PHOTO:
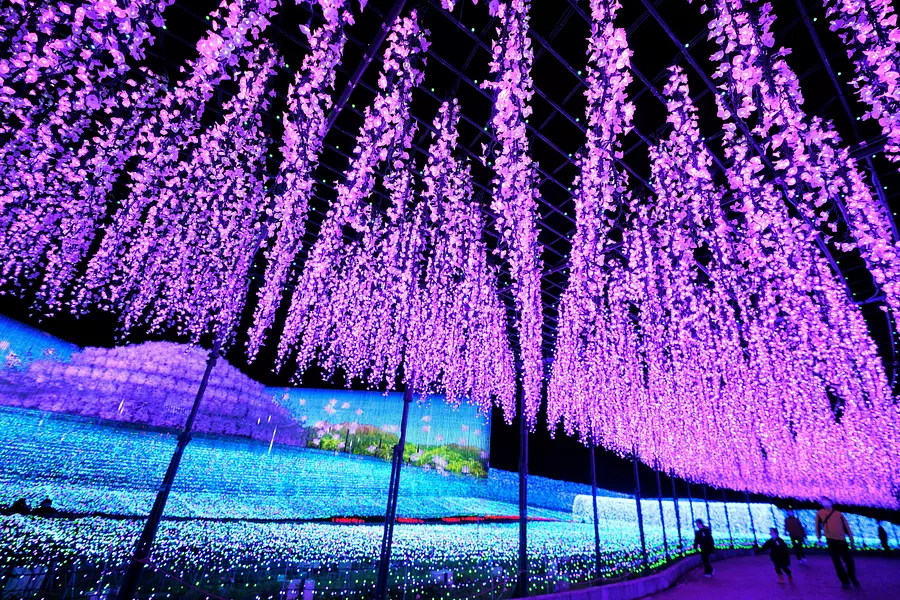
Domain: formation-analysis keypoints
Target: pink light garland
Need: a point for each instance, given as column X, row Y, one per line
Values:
column 813, row 167
column 304, row 132
column 65, row 70
column 386, row 125
column 413, row 290
column 869, row 28
column 580, row 390
column 187, row 264
column 169, row 131
column 515, row 190
column 804, row 342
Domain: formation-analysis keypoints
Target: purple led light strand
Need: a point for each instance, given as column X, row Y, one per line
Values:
column 515, row 188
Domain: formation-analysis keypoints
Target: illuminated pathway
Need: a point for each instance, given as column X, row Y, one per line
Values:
column 753, row 578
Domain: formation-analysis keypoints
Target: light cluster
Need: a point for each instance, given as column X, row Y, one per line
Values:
column 718, row 320
column 869, row 29
column 799, row 311
column 516, row 191
column 729, row 325
column 814, row 170
column 587, row 379
column 113, row 469
column 309, row 101
column 340, row 559
column 68, row 105
column 384, row 138
column 413, row 290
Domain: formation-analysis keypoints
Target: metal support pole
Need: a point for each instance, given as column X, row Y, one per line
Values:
column 522, row 576
column 677, row 516
column 691, row 503
column 662, row 518
column 727, row 519
column 371, row 51
column 384, row 563
column 141, row 555
column 752, row 524
column 382, row 558
column 706, row 501
column 596, row 518
column 640, row 514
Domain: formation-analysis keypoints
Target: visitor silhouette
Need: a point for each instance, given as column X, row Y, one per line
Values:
column 45, row 509
column 883, row 537
column 797, row 532
column 780, row 555
column 19, row 507
column 703, row 540
column 836, row 529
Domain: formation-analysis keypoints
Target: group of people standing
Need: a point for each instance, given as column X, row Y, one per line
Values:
column 830, row 522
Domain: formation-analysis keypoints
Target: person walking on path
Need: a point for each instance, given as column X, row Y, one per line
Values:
column 703, row 541
column 883, row 537
column 780, row 555
column 836, row 529
column 795, row 530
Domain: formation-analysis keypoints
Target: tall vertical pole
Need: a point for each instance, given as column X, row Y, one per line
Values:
column 141, row 555
column 382, row 557
column 596, row 517
column 522, row 579
column 387, row 539
column 677, row 515
column 706, row 501
column 727, row 520
column 691, row 503
column 752, row 524
column 640, row 514
column 662, row 518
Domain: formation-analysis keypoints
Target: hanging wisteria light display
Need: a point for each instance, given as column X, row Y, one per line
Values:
column 385, row 137
column 186, row 263
column 704, row 329
column 516, row 189
column 687, row 309
column 869, row 28
column 65, row 70
column 413, row 290
column 817, row 369
column 760, row 345
column 813, row 167
column 60, row 59
column 592, row 370
column 459, row 334
column 304, row 131
column 171, row 129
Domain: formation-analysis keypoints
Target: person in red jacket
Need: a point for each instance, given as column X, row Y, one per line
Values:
column 836, row 528
column 795, row 530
